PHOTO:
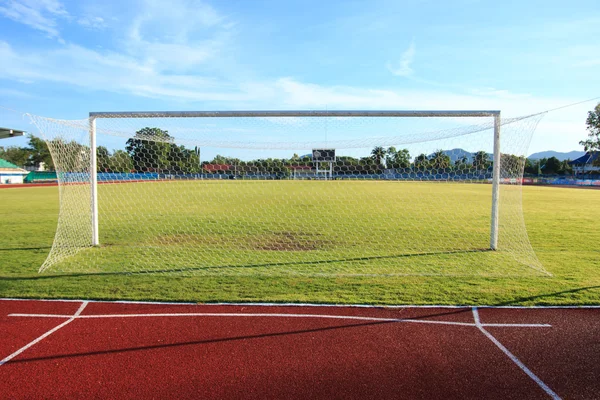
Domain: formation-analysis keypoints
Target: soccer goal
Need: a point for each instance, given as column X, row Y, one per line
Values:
column 292, row 192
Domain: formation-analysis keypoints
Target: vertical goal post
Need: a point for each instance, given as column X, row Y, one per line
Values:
column 495, row 114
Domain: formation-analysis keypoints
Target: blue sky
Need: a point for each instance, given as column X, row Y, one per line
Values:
column 64, row 59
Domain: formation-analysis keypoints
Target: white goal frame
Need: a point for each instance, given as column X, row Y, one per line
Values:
column 93, row 116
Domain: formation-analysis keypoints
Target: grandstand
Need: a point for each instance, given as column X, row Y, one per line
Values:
column 589, row 163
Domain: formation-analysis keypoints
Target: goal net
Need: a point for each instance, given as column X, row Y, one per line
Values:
column 226, row 193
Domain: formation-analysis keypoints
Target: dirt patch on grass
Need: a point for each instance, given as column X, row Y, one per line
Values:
column 291, row 241
column 276, row 241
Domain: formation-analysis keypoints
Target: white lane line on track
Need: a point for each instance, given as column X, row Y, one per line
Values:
column 273, row 315
column 513, row 358
column 45, row 335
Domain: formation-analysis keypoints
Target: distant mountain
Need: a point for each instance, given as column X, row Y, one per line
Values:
column 571, row 155
column 457, row 154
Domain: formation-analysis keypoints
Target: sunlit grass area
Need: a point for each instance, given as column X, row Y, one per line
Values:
column 285, row 227
column 411, row 243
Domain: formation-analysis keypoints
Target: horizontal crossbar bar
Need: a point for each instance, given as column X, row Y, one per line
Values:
column 335, row 113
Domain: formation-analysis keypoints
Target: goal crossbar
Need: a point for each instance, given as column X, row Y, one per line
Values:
column 297, row 113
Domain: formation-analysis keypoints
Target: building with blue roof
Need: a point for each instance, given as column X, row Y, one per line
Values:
column 587, row 164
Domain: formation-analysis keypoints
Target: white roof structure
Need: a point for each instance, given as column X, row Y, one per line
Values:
column 8, row 133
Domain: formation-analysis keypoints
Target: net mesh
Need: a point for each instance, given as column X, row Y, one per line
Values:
column 244, row 196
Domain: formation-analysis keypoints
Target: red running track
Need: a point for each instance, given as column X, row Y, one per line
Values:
column 157, row 351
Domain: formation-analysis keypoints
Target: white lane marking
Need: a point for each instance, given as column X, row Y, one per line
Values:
column 518, row 325
column 513, row 358
column 175, row 303
column 322, row 316
column 45, row 335
column 381, row 306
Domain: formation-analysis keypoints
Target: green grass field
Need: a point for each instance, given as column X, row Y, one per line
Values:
column 248, row 256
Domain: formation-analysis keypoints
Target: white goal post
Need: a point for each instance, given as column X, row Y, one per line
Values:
column 281, row 114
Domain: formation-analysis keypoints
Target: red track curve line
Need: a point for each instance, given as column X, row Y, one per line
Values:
column 513, row 358
column 275, row 315
column 45, row 335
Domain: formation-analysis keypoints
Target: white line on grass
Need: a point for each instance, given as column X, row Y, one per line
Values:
column 45, row 335
column 380, row 306
column 514, row 359
column 273, row 315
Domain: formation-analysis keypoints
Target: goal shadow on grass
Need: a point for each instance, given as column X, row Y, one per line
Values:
column 520, row 300
column 176, row 271
column 26, row 248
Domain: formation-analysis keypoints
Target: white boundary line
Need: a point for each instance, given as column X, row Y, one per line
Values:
column 384, row 306
column 513, row 358
column 273, row 315
column 102, row 301
column 45, row 335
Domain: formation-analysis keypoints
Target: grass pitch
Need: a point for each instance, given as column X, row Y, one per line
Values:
column 334, row 228
column 560, row 224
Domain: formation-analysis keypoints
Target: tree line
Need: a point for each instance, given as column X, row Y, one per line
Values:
column 32, row 155
column 154, row 150
column 548, row 166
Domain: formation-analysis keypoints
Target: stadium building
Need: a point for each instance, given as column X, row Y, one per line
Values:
column 10, row 173
column 587, row 164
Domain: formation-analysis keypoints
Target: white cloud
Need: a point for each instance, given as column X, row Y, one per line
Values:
column 173, row 21
column 306, row 95
column 123, row 73
column 559, row 130
column 403, row 68
column 41, row 15
column 166, row 64
column 177, row 35
column 113, row 72
column 14, row 93
column 53, row 6
column 92, row 22
column 170, row 41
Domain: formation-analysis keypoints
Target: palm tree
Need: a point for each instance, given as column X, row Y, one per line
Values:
column 481, row 160
column 461, row 163
column 440, row 160
column 378, row 154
